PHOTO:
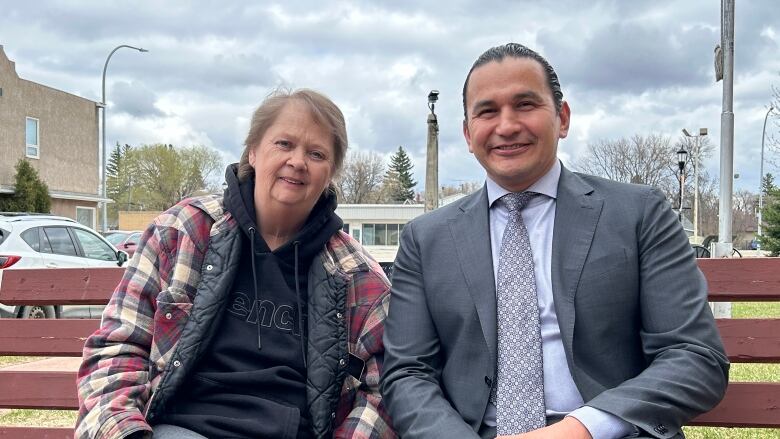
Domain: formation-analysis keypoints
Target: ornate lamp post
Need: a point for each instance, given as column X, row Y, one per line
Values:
column 432, row 156
column 682, row 159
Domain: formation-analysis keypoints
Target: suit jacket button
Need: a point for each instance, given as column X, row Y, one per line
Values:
column 488, row 381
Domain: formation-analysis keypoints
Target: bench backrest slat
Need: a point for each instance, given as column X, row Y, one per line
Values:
column 751, row 340
column 38, row 390
column 741, row 280
column 45, row 337
column 61, row 286
column 36, row 433
column 745, row 405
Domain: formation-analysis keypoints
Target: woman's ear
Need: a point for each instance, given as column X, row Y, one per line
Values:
column 251, row 157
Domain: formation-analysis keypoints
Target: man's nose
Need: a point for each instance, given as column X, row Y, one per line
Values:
column 508, row 124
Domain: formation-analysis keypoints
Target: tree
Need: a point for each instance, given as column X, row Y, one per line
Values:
column 169, row 174
column 639, row 159
column 30, row 193
column 771, row 233
column 121, row 177
column 361, row 179
column 398, row 179
column 158, row 176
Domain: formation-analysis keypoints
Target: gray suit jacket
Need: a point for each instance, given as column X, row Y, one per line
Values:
column 640, row 340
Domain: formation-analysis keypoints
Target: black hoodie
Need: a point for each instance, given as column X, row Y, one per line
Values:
column 251, row 382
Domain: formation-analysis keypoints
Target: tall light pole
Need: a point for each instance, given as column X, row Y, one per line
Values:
column 104, row 193
column 682, row 159
column 761, row 179
column 432, row 156
column 696, row 147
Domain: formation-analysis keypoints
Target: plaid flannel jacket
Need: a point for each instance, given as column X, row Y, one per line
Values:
column 125, row 359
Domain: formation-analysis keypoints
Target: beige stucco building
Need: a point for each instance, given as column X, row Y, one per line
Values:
column 58, row 133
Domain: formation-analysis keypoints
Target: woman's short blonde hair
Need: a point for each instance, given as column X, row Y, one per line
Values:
column 323, row 110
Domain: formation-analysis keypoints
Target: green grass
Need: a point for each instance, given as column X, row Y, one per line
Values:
column 10, row 361
column 39, row 418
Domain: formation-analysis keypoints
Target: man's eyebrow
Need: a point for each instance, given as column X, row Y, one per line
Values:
column 530, row 94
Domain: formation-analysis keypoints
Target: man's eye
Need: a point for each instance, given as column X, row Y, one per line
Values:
column 485, row 112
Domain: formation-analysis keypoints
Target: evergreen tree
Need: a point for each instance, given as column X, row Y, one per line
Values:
column 770, row 240
column 398, row 179
column 30, row 193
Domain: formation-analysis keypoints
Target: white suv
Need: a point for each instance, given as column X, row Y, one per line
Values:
column 47, row 241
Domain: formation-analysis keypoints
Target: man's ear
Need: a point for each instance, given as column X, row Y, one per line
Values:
column 467, row 134
column 564, row 117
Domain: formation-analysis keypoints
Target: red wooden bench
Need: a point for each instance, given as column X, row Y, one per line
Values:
column 746, row 340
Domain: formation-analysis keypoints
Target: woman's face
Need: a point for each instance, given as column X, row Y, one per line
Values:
column 294, row 160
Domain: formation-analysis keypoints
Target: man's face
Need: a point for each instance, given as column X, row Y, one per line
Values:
column 512, row 127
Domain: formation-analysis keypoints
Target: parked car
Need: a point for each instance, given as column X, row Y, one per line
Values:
column 124, row 240
column 48, row 241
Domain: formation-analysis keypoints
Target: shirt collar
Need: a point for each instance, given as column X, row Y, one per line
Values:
column 546, row 185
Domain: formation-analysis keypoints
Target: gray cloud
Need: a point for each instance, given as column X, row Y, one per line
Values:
column 626, row 67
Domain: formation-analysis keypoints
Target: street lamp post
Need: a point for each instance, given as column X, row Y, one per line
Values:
column 761, row 179
column 104, row 193
column 697, row 147
column 432, row 156
column 682, row 158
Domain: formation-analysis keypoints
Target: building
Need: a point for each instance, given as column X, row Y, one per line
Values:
column 58, row 133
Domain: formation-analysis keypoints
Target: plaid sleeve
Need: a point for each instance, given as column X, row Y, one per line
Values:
column 367, row 417
column 113, row 380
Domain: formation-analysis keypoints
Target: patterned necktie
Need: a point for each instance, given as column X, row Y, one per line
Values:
column 519, row 392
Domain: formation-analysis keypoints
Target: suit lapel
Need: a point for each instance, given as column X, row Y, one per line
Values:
column 471, row 233
column 577, row 213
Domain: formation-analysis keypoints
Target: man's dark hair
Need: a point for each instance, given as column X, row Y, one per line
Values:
column 515, row 50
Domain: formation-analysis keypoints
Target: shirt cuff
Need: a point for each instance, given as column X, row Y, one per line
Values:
column 603, row 425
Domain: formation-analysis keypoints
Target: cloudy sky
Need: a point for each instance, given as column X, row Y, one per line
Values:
column 626, row 67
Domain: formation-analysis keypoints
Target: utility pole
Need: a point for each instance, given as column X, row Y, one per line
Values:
column 724, row 246
column 432, row 156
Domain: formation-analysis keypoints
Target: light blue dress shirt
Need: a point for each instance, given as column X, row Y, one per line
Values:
column 560, row 393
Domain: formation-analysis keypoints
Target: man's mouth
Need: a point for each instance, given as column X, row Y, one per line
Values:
column 511, row 146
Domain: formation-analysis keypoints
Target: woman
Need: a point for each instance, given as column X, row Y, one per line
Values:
column 248, row 315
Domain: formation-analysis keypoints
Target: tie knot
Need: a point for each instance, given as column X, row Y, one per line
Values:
column 517, row 201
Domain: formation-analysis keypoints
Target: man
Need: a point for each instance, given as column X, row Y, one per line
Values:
column 573, row 308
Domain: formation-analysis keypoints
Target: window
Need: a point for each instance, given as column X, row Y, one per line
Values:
column 368, row 234
column 31, row 134
column 134, row 238
column 94, row 247
column 356, row 234
column 85, row 216
column 59, row 241
column 30, row 236
column 381, row 234
column 345, row 228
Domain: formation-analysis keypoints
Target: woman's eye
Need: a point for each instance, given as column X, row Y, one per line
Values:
column 316, row 155
column 283, row 143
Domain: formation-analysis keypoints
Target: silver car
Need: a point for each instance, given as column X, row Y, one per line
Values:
column 48, row 241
